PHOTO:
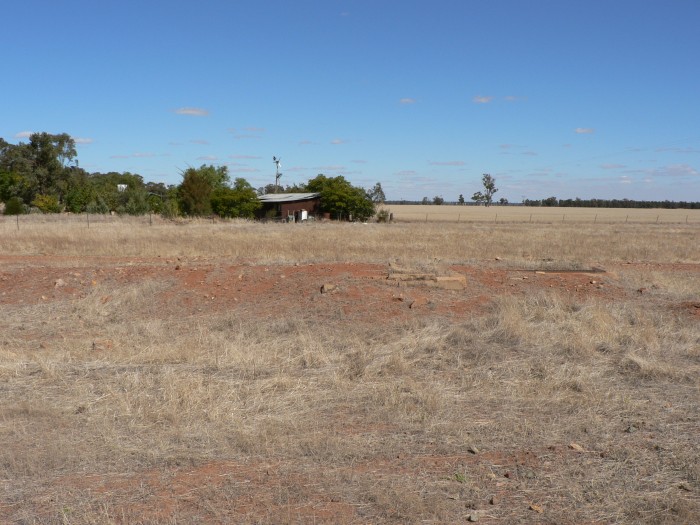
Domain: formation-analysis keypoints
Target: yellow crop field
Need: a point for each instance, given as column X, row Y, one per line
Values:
column 450, row 213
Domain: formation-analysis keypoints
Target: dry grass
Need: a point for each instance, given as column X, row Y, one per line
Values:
column 105, row 403
column 332, row 242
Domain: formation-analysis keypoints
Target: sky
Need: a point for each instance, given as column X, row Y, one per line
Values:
column 565, row 98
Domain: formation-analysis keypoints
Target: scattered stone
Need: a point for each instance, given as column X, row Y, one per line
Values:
column 536, row 508
column 541, row 273
column 576, row 447
column 417, row 303
column 594, row 282
column 472, row 449
column 498, row 258
column 643, row 290
column 327, row 288
column 494, row 500
column 473, row 517
column 59, row 282
column 177, row 266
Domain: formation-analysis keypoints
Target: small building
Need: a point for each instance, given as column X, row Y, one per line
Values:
column 292, row 207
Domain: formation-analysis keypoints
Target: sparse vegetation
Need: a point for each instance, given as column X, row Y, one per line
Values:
column 192, row 372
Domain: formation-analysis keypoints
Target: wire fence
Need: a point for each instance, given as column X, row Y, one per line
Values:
column 398, row 213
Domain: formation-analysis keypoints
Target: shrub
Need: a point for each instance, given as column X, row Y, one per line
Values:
column 15, row 206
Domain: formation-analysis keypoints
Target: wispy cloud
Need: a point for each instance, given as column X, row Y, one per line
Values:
column 208, row 157
column 612, row 166
column 677, row 170
column 338, row 141
column 330, row 168
column 529, row 153
column 254, row 129
column 359, row 161
column 305, row 142
column 245, row 170
column 199, row 141
column 481, row 99
column 583, row 131
column 244, row 157
column 83, row 140
column 193, row 112
column 678, row 150
column 24, row 134
column 447, row 163
column 407, row 100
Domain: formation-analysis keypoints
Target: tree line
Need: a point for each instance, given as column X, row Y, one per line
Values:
column 610, row 203
column 43, row 175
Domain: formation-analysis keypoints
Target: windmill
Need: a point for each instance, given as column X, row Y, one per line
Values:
column 278, row 174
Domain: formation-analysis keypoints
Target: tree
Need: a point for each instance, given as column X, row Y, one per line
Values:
column 503, row 201
column 489, row 188
column 197, row 186
column 239, row 201
column 425, row 201
column 377, row 194
column 438, row 200
column 341, row 199
column 461, row 199
column 195, row 193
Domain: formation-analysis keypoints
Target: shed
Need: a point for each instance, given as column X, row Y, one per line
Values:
column 290, row 206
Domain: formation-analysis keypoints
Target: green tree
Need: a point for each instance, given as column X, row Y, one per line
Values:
column 490, row 189
column 239, row 201
column 341, row 199
column 461, row 199
column 377, row 194
column 438, row 200
column 195, row 190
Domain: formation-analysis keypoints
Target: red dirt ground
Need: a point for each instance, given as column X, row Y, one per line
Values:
column 363, row 294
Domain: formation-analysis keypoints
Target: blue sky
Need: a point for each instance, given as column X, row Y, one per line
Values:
column 571, row 98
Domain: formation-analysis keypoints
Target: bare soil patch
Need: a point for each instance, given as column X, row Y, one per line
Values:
column 520, row 395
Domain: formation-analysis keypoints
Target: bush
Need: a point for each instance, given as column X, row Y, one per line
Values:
column 15, row 206
column 47, row 203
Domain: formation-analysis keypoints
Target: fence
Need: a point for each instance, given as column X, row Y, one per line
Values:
column 512, row 214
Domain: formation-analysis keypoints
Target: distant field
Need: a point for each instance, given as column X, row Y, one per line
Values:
column 449, row 213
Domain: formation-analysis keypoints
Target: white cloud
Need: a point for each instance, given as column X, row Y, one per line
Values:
column 194, row 112
column 612, row 166
column 208, row 157
column 677, row 170
column 407, row 100
column 83, row 140
column 199, row 141
column 338, row 141
column 254, row 129
column 23, row 134
column 584, row 130
column 448, row 163
column 243, row 157
column 482, row 100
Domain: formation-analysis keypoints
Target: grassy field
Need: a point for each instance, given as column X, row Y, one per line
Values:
column 192, row 372
column 520, row 214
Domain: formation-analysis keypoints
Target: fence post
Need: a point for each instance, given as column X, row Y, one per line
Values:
column 460, row 216
column 657, row 219
column 531, row 217
column 88, row 219
column 17, row 216
column 626, row 218
column 496, row 219
column 426, row 217
column 595, row 219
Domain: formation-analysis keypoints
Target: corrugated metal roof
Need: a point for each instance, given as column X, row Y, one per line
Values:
column 287, row 197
